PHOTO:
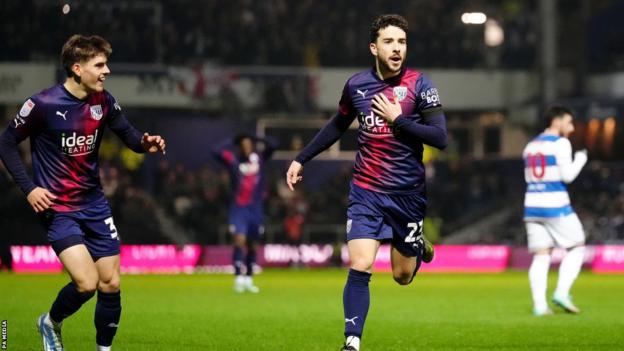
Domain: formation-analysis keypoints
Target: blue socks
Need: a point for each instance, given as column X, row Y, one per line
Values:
column 251, row 259
column 238, row 260
column 107, row 311
column 356, row 300
column 68, row 301
column 107, row 315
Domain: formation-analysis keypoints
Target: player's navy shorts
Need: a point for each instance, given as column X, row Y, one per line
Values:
column 93, row 227
column 387, row 217
column 247, row 220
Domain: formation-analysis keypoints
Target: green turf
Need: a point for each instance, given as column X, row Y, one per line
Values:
column 302, row 310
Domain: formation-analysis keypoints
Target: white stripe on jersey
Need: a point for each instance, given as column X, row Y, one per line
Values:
column 545, row 199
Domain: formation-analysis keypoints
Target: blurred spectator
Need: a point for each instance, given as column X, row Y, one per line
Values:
column 296, row 211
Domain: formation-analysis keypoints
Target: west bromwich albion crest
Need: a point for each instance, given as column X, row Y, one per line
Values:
column 400, row 93
column 96, row 112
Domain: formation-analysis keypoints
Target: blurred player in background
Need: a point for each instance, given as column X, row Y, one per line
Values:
column 65, row 124
column 549, row 218
column 246, row 166
column 398, row 110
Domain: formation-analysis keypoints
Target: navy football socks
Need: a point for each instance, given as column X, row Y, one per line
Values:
column 68, row 301
column 356, row 300
column 107, row 315
column 251, row 259
column 238, row 260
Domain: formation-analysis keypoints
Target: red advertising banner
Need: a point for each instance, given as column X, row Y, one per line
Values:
column 609, row 259
column 134, row 259
column 40, row 259
column 138, row 259
column 456, row 258
column 159, row 258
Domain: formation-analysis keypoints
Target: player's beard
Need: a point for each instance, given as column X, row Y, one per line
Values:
column 384, row 67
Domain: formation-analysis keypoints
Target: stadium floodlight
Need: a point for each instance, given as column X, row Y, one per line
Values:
column 473, row 17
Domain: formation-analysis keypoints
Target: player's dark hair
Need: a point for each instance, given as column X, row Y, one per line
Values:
column 555, row 111
column 80, row 48
column 384, row 21
column 238, row 139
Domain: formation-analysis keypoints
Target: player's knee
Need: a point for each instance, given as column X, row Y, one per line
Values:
column 362, row 265
column 240, row 242
column 547, row 251
column 403, row 278
column 110, row 285
column 86, row 286
column 251, row 246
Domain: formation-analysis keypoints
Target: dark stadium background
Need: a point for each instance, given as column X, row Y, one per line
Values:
column 199, row 71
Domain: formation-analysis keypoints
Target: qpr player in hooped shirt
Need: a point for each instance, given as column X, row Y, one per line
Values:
column 549, row 218
column 65, row 124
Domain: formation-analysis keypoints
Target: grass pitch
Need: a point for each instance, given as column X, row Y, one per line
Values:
column 302, row 310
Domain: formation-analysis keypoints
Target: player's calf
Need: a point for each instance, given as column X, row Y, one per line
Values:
column 403, row 277
column 405, row 265
column 67, row 302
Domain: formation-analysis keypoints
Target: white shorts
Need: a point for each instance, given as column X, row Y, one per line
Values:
column 563, row 232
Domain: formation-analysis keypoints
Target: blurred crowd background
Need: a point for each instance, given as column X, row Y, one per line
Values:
column 311, row 32
column 254, row 66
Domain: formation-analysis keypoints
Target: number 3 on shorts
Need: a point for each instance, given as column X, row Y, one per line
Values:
column 112, row 227
column 416, row 232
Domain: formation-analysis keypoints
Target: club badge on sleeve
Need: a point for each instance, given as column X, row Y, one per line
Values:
column 26, row 108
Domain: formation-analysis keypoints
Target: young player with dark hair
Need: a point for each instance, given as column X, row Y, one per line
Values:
column 66, row 123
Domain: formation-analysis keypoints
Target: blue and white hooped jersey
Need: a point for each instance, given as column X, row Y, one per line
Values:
column 546, row 194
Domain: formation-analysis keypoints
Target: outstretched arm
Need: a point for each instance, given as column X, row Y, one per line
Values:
column 327, row 136
column 133, row 139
